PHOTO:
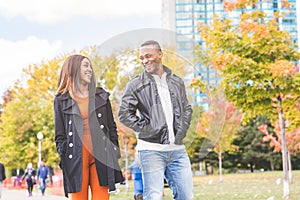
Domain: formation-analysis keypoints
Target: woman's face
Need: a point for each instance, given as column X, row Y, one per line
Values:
column 86, row 72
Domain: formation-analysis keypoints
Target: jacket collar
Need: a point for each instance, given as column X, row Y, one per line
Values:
column 95, row 101
column 166, row 69
column 102, row 96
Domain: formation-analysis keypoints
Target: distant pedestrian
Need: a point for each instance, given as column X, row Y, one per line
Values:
column 2, row 177
column 43, row 174
column 30, row 178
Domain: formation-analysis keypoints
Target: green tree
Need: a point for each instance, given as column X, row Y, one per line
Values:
column 257, row 63
column 253, row 150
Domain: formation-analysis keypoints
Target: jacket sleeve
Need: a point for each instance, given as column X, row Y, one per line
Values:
column 25, row 173
column 48, row 171
column 60, row 135
column 38, row 172
column 127, row 112
column 113, row 135
column 186, row 115
column 3, row 173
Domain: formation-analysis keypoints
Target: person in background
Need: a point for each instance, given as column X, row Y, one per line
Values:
column 2, row 177
column 136, row 175
column 155, row 105
column 85, row 133
column 43, row 174
column 30, row 180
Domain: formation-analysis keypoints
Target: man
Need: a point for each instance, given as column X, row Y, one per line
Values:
column 163, row 119
column 43, row 174
column 2, row 177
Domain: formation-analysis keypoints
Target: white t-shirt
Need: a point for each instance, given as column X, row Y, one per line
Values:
column 164, row 94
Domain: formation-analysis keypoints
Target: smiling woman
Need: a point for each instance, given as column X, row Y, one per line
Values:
column 85, row 133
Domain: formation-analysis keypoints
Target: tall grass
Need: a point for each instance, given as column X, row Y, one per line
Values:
column 259, row 185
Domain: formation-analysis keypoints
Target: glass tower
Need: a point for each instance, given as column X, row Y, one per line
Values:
column 186, row 14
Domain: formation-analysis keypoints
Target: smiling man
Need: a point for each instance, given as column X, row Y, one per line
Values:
column 163, row 119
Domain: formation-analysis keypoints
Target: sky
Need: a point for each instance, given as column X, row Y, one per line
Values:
column 32, row 31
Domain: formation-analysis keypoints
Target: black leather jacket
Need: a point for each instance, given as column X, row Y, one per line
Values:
column 141, row 95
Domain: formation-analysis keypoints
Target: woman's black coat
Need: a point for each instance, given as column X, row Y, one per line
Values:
column 68, row 138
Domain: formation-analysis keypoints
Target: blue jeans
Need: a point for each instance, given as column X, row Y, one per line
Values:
column 0, row 189
column 42, row 185
column 174, row 166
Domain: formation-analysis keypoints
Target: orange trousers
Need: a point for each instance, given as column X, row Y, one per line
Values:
column 90, row 178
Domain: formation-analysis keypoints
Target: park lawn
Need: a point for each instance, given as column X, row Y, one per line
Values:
column 259, row 185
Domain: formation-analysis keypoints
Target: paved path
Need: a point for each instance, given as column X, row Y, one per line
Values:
column 22, row 194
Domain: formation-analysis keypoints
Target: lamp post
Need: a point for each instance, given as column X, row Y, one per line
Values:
column 40, row 137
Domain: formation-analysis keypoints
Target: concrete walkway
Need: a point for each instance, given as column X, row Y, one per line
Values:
column 22, row 194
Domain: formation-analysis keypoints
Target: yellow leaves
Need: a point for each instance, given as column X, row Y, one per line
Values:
column 204, row 124
column 261, row 32
column 282, row 68
column 197, row 83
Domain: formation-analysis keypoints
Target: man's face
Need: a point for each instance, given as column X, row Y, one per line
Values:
column 151, row 57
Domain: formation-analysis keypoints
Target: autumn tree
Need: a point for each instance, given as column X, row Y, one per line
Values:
column 257, row 63
column 220, row 124
column 29, row 111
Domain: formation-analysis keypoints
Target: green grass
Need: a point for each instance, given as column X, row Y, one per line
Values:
column 260, row 185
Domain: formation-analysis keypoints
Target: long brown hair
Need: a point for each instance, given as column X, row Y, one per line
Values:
column 68, row 80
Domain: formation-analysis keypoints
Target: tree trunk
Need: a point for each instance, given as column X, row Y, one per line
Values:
column 290, row 166
column 271, row 165
column 220, row 166
column 286, row 188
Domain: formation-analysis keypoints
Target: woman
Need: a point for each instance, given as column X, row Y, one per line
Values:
column 85, row 133
column 30, row 180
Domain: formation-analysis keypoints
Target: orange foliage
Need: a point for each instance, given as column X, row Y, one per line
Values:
column 292, row 138
column 282, row 68
column 224, row 59
column 228, row 5
column 200, row 26
column 247, row 26
column 285, row 4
